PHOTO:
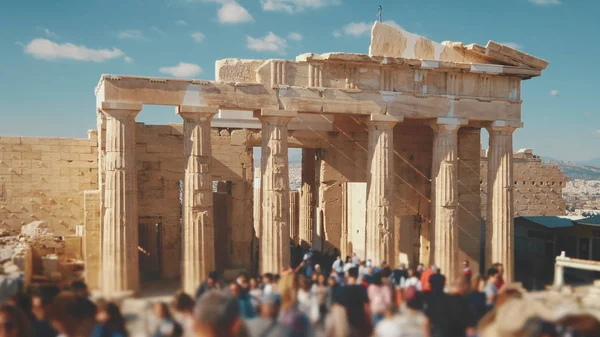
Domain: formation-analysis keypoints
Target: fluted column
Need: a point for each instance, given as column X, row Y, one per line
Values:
column 120, row 267
column 444, row 195
column 380, row 189
column 275, row 191
column 307, row 197
column 198, row 239
column 500, row 203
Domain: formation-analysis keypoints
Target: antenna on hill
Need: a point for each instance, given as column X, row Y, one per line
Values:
column 379, row 13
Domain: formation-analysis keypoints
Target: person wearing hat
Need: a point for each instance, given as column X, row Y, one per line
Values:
column 266, row 325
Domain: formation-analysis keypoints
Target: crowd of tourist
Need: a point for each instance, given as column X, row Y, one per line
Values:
column 346, row 299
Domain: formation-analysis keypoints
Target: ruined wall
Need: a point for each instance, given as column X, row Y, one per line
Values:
column 44, row 179
column 537, row 187
column 160, row 164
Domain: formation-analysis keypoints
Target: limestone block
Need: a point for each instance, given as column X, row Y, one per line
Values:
column 237, row 70
column 50, row 265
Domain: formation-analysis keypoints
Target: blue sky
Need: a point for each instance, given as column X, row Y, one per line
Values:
column 53, row 52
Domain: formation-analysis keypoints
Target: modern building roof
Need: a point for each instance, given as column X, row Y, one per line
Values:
column 552, row 221
column 590, row 221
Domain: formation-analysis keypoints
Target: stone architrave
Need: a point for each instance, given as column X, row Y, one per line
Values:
column 499, row 229
column 120, row 268
column 380, row 189
column 275, row 191
column 307, row 197
column 198, row 239
column 444, row 195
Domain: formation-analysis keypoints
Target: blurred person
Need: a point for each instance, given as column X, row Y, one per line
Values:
column 80, row 289
column 13, row 322
column 210, row 283
column 320, row 291
column 243, row 280
column 218, row 315
column 111, row 322
column 290, row 316
column 449, row 315
column 412, row 281
column 305, row 268
column 267, row 283
column 399, row 275
column 333, row 288
column 338, row 265
column 420, row 269
column 410, row 322
column 39, row 307
column 467, row 271
column 71, row 315
column 491, row 286
column 307, row 301
column 380, row 298
column 183, row 307
column 425, row 275
column 255, row 292
column 317, row 269
column 266, row 325
column 347, row 265
column 246, row 310
column 167, row 325
column 476, row 298
column 500, row 280
column 349, row 316
column 579, row 325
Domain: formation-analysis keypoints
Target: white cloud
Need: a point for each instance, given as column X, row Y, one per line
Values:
column 545, row 2
column 512, row 45
column 133, row 34
column 182, row 70
column 294, row 36
column 155, row 29
column 232, row 12
column 292, row 6
column 597, row 133
column 197, row 36
column 48, row 50
column 181, row 23
column 128, row 59
column 49, row 32
column 554, row 92
column 270, row 42
column 354, row 29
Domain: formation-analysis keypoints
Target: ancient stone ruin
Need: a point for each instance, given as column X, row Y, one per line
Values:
column 405, row 119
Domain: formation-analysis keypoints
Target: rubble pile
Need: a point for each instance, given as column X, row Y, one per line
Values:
column 37, row 254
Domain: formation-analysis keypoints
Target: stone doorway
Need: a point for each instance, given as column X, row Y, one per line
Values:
column 149, row 229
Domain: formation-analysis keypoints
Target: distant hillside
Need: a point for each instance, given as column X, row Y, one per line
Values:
column 576, row 170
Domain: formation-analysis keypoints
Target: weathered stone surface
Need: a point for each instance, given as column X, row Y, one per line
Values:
column 120, row 270
column 444, row 191
column 274, row 239
column 307, row 198
column 198, row 219
column 380, row 191
column 500, row 211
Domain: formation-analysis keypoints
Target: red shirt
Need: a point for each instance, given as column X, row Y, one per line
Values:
column 425, row 275
column 500, row 283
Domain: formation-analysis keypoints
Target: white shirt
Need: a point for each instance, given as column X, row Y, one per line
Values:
column 412, row 282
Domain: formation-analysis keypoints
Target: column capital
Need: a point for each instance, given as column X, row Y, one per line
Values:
column 275, row 116
column 120, row 110
column 196, row 113
column 502, row 126
column 380, row 121
column 447, row 123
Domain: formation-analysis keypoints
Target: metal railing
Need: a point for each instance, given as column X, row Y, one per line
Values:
column 562, row 262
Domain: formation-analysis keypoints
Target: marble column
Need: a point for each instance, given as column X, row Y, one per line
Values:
column 444, row 195
column 307, row 197
column 275, row 191
column 120, row 267
column 380, row 189
column 499, row 229
column 198, row 238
